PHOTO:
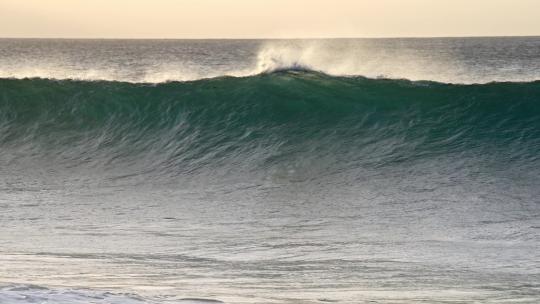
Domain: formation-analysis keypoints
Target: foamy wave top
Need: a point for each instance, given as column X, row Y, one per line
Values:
column 273, row 56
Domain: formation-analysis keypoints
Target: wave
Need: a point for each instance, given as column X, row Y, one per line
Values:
column 294, row 119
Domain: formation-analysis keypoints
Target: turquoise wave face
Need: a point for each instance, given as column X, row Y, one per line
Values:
column 259, row 121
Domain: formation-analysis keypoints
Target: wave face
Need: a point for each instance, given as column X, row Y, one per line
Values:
column 254, row 123
column 299, row 185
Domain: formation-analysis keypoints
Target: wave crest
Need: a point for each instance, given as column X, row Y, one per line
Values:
column 263, row 120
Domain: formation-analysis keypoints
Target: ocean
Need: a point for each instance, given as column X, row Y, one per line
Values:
column 270, row 171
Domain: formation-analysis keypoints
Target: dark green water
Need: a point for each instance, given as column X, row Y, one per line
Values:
column 186, row 126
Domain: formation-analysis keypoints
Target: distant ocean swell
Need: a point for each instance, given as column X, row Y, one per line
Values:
column 253, row 123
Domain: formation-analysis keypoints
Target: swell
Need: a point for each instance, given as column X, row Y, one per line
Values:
column 260, row 121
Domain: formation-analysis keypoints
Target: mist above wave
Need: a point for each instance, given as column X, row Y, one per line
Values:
column 450, row 61
column 270, row 58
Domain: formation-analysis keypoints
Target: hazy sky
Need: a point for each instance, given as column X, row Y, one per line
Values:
column 267, row 18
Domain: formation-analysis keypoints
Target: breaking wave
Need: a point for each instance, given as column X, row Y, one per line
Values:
column 260, row 122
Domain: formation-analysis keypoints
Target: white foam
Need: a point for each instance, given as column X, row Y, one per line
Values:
column 25, row 294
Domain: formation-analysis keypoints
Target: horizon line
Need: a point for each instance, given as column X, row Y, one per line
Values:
column 274, row 38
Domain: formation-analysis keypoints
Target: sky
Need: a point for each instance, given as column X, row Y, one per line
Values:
column 267, row 18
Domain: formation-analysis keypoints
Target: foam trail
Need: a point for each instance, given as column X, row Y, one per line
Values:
column 24, row 294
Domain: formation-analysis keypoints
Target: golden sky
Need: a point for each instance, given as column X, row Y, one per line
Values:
column 267, row 18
